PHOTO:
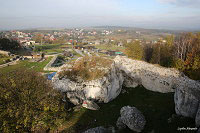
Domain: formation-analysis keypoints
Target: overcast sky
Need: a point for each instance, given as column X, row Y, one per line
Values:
column 166, row 14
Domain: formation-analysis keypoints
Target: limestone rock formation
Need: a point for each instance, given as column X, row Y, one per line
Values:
column 160, row 79
column 103, row 89
column 187, row 98
column 154, row 78
column 131, row 73
column 132, row 118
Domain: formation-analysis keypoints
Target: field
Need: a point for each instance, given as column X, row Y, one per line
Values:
column 50, row 48
column 156, row 107
column 37, row 66
column 109, row 47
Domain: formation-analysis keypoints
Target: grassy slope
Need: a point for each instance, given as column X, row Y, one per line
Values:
column 156, row 107
column 2, row 60
column 37, row 66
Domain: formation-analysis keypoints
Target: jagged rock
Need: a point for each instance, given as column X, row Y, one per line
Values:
column 160, row 79
column 152, row 77
column 104, row 89
column 90, row 105
column 133, row 118
column 132, row 73
column 97, row 130
column 120, row 124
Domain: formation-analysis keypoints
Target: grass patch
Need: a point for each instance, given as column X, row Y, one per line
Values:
column 87, row 68
column 156, row 107
column 49, row 48
column 109, row 47
column 36, row 66
column 3, row 59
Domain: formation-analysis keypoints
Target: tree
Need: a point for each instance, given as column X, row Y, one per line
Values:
column 134, row 50
column 9, row 44
column 170, row 40
column 39, row 38
column 156, row 54
column 148, row 51
column 28, row 103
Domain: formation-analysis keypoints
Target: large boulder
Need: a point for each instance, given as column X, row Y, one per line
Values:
column 132, row 118
column 103, row 89
column 187, row 98
column 97, row 130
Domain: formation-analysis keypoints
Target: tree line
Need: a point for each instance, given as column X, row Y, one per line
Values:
column 181, row 52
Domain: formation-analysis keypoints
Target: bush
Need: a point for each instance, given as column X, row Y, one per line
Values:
column 9, row 45
column 28, row 103
column 87, row 68
column 179, row 64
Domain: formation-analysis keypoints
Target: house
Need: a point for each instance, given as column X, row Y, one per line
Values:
column 129, row 40
column 97, row 42
column 37, row 55
column 120, row 44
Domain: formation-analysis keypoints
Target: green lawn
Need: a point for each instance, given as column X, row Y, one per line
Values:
column 108, row 47
column 156, row 107
column 48, row 48
column 51, row 48
column 37, row 66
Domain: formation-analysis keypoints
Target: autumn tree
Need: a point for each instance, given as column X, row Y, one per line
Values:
column 28, row 103
column 156, row 54
column 134, row 50
column 39, row 38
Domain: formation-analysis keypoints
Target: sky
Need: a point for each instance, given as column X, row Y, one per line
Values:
column 153, row 14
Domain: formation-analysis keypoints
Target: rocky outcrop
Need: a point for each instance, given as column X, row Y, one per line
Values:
column 104, row 89
column 132, row 118
column 160, row 79
column 152, row 77
column 132, row 73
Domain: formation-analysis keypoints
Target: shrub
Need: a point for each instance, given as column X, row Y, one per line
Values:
column 28, row 103
column 87, row 68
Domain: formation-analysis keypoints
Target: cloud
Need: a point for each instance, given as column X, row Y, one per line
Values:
column 185, row 3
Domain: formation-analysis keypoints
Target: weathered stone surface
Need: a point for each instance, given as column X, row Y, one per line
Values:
column 132, row 118
column 90, row 105
column 132, row 73
column 97, row 130
column 187, row 98
column 104, row 89
column 120, row 124
column 197, row 118
column 160, row 79
column 152, row 77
